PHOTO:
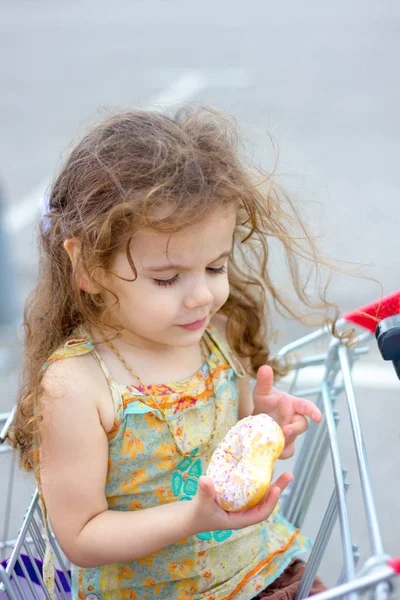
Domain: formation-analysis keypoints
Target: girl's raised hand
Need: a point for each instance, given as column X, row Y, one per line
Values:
column 207, row 515
column 288, row 411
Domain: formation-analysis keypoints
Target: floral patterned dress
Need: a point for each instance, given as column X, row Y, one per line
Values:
column 145, row 470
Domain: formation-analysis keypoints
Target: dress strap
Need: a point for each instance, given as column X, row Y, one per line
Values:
column 102, row 365
column 216, row 340
column 112, row 384
column 48, row 568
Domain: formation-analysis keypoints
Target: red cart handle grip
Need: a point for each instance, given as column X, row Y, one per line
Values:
column 394, row 563
column 368, row 316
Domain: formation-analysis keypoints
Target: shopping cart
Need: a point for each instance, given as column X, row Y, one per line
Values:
column 21, row 575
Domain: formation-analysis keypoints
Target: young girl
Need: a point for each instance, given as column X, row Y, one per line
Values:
column 146, row 325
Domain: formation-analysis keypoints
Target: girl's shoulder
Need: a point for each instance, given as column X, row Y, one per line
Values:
column 77, row 380
column 76, row 374
column 78, row 344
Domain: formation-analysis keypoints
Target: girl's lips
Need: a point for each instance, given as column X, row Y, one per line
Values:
column 195, row 324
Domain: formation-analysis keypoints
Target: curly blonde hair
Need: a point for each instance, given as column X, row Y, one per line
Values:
column 124, row 167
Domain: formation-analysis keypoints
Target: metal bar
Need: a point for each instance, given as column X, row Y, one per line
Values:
column 59, row 586
column 382, row 591
column 301, row 467
column 11, row 543
column 33, row 561
column 357, row 585
column 370, row 508
column 7, row 513
column 318, row 360
column 18, row 587
column 28, row 579
column 316, row 335
column 306, row 392
column 40, row 578
column 337, row 471
column 366, row 335
column 35, row 543
column 294, row 381
column 304, row 362
column 22, row 533
column 9, row 419
column 4, row 416
column 302, row 462
column 311, row 337
column 313, row 478
column 5, row 584
column 39, row 543
column 356, row 556
column 312, row 446
column 7, row 544
column 38, row 550
column 320, row 544
column 308, row 466
column 291, row 500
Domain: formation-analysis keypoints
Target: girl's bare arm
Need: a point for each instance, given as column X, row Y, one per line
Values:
column 73, row 466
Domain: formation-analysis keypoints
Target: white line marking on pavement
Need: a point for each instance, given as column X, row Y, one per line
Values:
column 183, row 88
column 20, row 216
column 231, row 77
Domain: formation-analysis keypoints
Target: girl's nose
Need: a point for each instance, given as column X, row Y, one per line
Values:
column 198, row 294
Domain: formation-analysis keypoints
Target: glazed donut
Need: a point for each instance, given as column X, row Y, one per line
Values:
column 241, row 466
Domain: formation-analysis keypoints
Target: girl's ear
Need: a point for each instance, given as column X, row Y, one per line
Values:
column 73, row 249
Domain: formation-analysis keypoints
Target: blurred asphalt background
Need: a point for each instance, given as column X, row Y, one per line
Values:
column 322, row 77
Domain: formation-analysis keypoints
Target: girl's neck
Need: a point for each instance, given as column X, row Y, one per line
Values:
column 129, row 340
column 154, row 365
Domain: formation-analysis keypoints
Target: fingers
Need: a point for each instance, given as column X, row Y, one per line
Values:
column 298, row 426
column 287, row 452
column 272, row 496
column 264, row 509
column 305, row 407
column 264, row 381
column 206, row 489
column 283, row 481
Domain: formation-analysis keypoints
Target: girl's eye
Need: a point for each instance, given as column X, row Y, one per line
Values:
column 167, row 282
column 175, row 278
column 217, row 270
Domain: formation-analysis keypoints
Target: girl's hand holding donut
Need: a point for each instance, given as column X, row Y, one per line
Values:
column 207, row 514
column 288, row 411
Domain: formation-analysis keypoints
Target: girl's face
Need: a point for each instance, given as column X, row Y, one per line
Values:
column 181, row 282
